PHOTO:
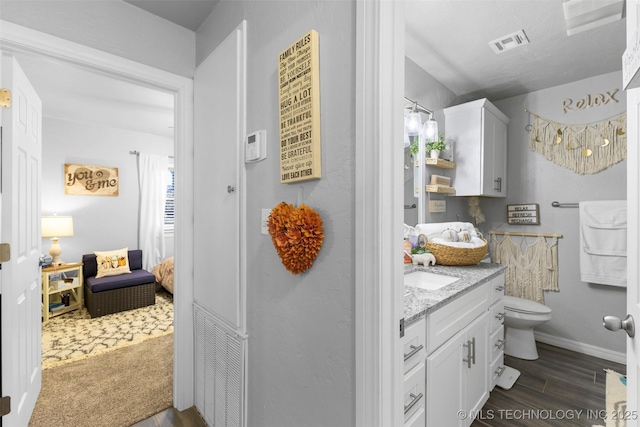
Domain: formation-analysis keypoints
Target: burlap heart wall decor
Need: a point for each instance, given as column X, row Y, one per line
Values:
column 297, row 235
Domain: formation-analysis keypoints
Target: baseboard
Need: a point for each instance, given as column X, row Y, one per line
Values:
column 583, row 348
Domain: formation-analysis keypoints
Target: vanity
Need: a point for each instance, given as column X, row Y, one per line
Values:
column 453, row 342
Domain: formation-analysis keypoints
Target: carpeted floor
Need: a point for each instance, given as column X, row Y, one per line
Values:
column 76, row 336
column 114, row 389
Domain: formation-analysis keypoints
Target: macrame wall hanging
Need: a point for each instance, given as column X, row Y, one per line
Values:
column 531, row 268
column 584, row 149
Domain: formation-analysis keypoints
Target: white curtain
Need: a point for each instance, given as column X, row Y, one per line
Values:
column 152, row 176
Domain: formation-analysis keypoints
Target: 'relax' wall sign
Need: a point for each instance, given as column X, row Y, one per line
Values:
column 528, row 214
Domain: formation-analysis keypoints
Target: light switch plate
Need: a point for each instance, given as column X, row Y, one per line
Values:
column 264, row 219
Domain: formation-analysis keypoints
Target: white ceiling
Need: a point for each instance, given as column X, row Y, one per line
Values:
column 448, row 38
column 186, row 13
column 79, row 95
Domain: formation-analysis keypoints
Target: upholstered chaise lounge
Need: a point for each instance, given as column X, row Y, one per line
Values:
column 112, row 294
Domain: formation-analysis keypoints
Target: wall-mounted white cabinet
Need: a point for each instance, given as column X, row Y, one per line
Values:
column 478, row 131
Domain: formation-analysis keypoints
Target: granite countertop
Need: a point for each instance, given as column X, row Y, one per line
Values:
column 419, row 301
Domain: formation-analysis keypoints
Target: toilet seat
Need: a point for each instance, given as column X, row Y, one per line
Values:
column 525, row 306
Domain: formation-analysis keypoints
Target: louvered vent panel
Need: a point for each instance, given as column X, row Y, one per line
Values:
column 219, row 371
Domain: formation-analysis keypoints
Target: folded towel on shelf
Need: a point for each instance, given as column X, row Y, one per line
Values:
column 603, row 242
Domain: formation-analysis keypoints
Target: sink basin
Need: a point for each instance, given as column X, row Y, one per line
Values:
column 428, row 281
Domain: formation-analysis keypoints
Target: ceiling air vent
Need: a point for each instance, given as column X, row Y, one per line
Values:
column 509, row 42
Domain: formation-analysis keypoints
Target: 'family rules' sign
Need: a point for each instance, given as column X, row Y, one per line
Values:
column 299, row 96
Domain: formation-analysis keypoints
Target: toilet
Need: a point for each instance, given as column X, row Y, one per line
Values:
column 521, row 316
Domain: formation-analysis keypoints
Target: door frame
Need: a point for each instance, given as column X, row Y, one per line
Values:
column 379, row 213
column 17, row 39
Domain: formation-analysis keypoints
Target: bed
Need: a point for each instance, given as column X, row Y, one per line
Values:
column 164, row 274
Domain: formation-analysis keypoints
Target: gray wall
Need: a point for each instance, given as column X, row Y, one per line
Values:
column 422, row 87
column 100, row 223
column 301, row 328
column 111, row 26
column 578, row 307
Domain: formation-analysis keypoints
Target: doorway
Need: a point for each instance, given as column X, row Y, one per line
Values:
column 19, row 40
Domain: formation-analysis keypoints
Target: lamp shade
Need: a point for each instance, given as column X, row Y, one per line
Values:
column 57, row 226
column 413, row 124
column 430, row 130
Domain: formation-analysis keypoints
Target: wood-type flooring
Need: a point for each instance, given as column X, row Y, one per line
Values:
column 561, row 388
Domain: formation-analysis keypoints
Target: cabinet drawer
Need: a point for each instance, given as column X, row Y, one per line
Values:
column 417, row 420
column 497, row 314
column 414, row 389
column 497, row 344
column 451, row 318
column 497, row 368
column 497, row 288
column 413, row 344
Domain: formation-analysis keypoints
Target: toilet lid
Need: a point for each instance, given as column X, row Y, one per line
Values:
column 521, row 305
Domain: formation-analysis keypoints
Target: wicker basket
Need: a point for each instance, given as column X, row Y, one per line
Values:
column 450, row 255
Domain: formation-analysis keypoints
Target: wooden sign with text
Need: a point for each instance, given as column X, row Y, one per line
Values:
column 528, row 214
column 90, row 180
column 299, row 96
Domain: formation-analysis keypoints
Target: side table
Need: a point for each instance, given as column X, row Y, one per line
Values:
column 56, row 284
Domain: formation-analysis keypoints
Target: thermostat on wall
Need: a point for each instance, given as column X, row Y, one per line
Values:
column 255, row 147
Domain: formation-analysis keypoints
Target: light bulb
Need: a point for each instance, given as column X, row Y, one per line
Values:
column 430, row 130
column 413, row 124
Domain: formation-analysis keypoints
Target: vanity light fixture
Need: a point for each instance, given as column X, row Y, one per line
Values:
column 413, row 125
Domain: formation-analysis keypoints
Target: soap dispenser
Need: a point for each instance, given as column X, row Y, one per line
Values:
column 406, row 251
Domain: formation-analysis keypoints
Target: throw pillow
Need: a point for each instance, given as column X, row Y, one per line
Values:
column 112, row 263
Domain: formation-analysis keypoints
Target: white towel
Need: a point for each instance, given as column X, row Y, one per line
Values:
column 434, row 230
column 603, row 242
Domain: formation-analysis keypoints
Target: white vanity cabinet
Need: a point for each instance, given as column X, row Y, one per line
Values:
column 457, row 359
column 496, row 345
column 478, row 131
column 413, row 344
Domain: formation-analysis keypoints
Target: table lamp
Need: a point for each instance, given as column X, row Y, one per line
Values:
column 56, row 227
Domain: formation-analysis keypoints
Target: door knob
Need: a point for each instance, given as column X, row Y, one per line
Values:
column 230, row 189
column 613, row 324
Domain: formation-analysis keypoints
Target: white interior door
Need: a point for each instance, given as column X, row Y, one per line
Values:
column 218, row 183
column 20, row 227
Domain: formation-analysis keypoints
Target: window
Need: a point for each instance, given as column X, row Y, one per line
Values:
column 169, row 205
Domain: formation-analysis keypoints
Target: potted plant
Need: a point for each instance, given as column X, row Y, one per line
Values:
column 435, row 147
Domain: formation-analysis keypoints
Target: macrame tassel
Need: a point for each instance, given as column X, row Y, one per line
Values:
column 584, row 149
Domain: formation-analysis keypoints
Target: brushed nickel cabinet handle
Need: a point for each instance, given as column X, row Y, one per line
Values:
column 469, row 358
column 413, row 351
column 414, row 399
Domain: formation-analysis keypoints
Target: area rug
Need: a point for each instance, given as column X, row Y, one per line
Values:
column 76, row 336
column 616, row 399
column 115, row 389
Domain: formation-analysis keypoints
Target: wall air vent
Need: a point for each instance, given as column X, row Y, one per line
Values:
column 509, row 42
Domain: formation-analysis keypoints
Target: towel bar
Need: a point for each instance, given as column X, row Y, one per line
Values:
column 564, row 205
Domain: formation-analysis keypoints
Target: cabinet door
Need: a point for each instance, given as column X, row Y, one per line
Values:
column 445, row 383
column 476, row 390
column 494, row 148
